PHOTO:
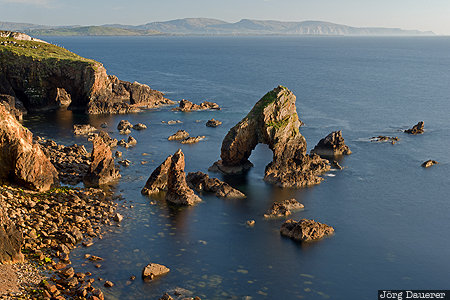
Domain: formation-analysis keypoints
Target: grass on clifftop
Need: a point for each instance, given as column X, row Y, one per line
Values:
column 38, row 50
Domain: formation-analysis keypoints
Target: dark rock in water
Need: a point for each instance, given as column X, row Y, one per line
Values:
column 139, row 126
column 178, row 191
column 272, row 121
column 193, row 140
column 305, row 230
column 213, row 123
column 59, row 78
column 332, row 144
column 118, row 154
column 157, row 181
column 186, row 106
column 166, row 296
column 250, row 223
column 11, row 239
column 153, row 270
column 283, row 208
column 202, row 182
column 21, row 159
column 416, row 129
column 337, row 165
column 429, row 163
column 179, row 135
column 125, row 163
column 102, row 169
column 382, row 138
column 131, row 141
column 83, row 129
column 124, row 125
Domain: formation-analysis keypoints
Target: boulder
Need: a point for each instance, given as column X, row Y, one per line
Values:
column 186, row 106
column 272, row 121
column 179, row 135
column 152, row 270
column 139, row 126
column 107, row 139
column 102, row 169
column 124, row 125
column 11, row 239
column 416, row 129
column 213, row 123
column 383, row 138
column 283, row 208
column 202, row 182
column 22, row 161
column 305, row 230
column 429, row 163
column 157, row 182
column 333, row 144
column 178, row 192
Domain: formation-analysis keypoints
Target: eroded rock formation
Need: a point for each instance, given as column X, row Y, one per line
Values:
column 170, row 177
column 416, row 129
column 333, row 144
column 272, row 121
column 43, row 76
column 21, row 159
column 305, row 230
column 213, row 123
column 429, row 163
column 178, row 191
column 102, row 169
column 179, row 135
column 200, row 181
column 152, row 270
column 11, row 239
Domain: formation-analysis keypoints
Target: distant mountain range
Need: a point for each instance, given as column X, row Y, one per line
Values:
column 204, row 26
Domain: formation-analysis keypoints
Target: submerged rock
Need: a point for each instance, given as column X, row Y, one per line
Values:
column 305, row 230
column 283, row 208
column 272, row 121
column 21, row 159
column 83, row 129
column 153, row 270
column 333, row 144
column 178, row 192
column 213, row 123
column 11, row 238
column 193, row 140
column 179, row 135
column 102, row 169
column 416, row 129
column 383, row 138
column 429, row 163
column 186, row 105
column 202, row 182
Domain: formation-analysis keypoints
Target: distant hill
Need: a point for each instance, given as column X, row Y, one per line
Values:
column 205, row 26
column 90, row 30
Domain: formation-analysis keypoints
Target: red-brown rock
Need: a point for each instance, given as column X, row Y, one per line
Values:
column 305, row 230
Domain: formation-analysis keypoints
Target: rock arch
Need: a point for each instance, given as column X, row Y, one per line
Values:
column 273, row 121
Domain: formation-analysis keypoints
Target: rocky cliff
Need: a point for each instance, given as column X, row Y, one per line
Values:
column 272, row 121
column 21, row 159
column 41, row 76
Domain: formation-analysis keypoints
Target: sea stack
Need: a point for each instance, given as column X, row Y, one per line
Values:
column 272, row 121
column 332, row 145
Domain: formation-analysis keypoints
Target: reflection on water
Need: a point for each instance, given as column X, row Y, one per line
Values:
column 384, row 207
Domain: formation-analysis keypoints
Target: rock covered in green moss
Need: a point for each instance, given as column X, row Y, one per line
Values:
column 272, row 121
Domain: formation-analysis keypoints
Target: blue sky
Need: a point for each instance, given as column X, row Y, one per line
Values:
column 431, row 15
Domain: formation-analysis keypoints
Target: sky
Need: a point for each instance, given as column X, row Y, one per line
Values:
column 426, row 15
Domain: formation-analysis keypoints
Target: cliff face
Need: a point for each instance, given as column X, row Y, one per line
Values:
column 42, row 76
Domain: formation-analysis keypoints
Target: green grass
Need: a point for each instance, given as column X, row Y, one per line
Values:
column 280, row 124
column 39, row 51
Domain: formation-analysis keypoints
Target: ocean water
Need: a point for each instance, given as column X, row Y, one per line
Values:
column 391, row 217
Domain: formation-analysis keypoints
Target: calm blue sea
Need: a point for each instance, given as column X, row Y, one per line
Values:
column 390, row 215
